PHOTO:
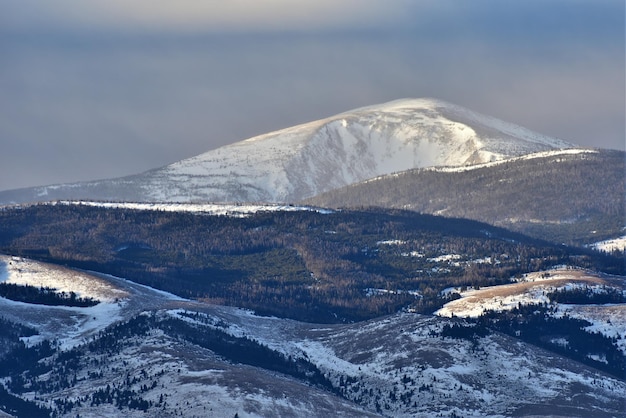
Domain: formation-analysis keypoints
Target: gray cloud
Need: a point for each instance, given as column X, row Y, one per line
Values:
column 79, row 105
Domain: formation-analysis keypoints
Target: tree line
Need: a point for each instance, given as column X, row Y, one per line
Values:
column 44, row 296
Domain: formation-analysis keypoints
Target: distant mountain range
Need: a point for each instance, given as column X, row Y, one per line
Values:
column 303, row 161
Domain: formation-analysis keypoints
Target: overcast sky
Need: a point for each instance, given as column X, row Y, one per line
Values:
column 105, row 88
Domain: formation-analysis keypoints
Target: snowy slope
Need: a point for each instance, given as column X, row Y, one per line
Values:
column 398, row 365
column 22, row 271
column 573, row 196
column 305, row 160
column 607, row 319
column 68, row 325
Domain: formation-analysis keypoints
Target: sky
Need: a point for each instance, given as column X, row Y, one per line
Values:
column 106, row 88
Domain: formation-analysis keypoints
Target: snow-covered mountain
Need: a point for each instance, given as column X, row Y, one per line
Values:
column 305, row 160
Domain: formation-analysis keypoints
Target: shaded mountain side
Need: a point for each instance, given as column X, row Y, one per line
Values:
column 302, row 161
column 575, row 198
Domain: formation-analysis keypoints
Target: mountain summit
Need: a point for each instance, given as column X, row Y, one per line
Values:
column 302, row 161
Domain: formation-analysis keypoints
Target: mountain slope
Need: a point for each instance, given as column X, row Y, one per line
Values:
column 166, row 356
column 574, row 196
column 305, row 160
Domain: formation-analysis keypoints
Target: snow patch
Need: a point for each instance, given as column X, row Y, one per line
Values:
column 391, row 242
column 610, row 245
column 446, row 258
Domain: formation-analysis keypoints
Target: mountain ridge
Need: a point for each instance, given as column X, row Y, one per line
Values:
column 302, row 161
column 574, row 195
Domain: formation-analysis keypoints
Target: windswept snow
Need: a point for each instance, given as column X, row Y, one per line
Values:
column 608, row 319
column 305, row 160
column 398, row 365
column 536, row 155
column 69, row 325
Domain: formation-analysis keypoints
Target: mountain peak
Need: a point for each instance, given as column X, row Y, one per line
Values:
column 407, row 103
column 301, row 161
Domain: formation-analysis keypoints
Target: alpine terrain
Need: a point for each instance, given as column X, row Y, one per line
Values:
column 303, row 161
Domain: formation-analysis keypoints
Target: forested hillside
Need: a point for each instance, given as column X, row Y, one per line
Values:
column 341, row 266
column 575, row 198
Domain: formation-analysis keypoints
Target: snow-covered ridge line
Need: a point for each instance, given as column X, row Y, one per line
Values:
column 536, row 155
column 203, row 208
column 465, row 168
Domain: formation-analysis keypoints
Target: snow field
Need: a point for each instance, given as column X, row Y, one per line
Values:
column 337, row 151
column 491, row 377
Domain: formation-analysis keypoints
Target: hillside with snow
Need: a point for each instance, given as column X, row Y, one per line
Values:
column 596, row 298
column 303, row 161
column 159, row 355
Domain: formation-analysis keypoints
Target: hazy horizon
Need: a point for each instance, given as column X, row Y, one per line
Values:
column 103, row 89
